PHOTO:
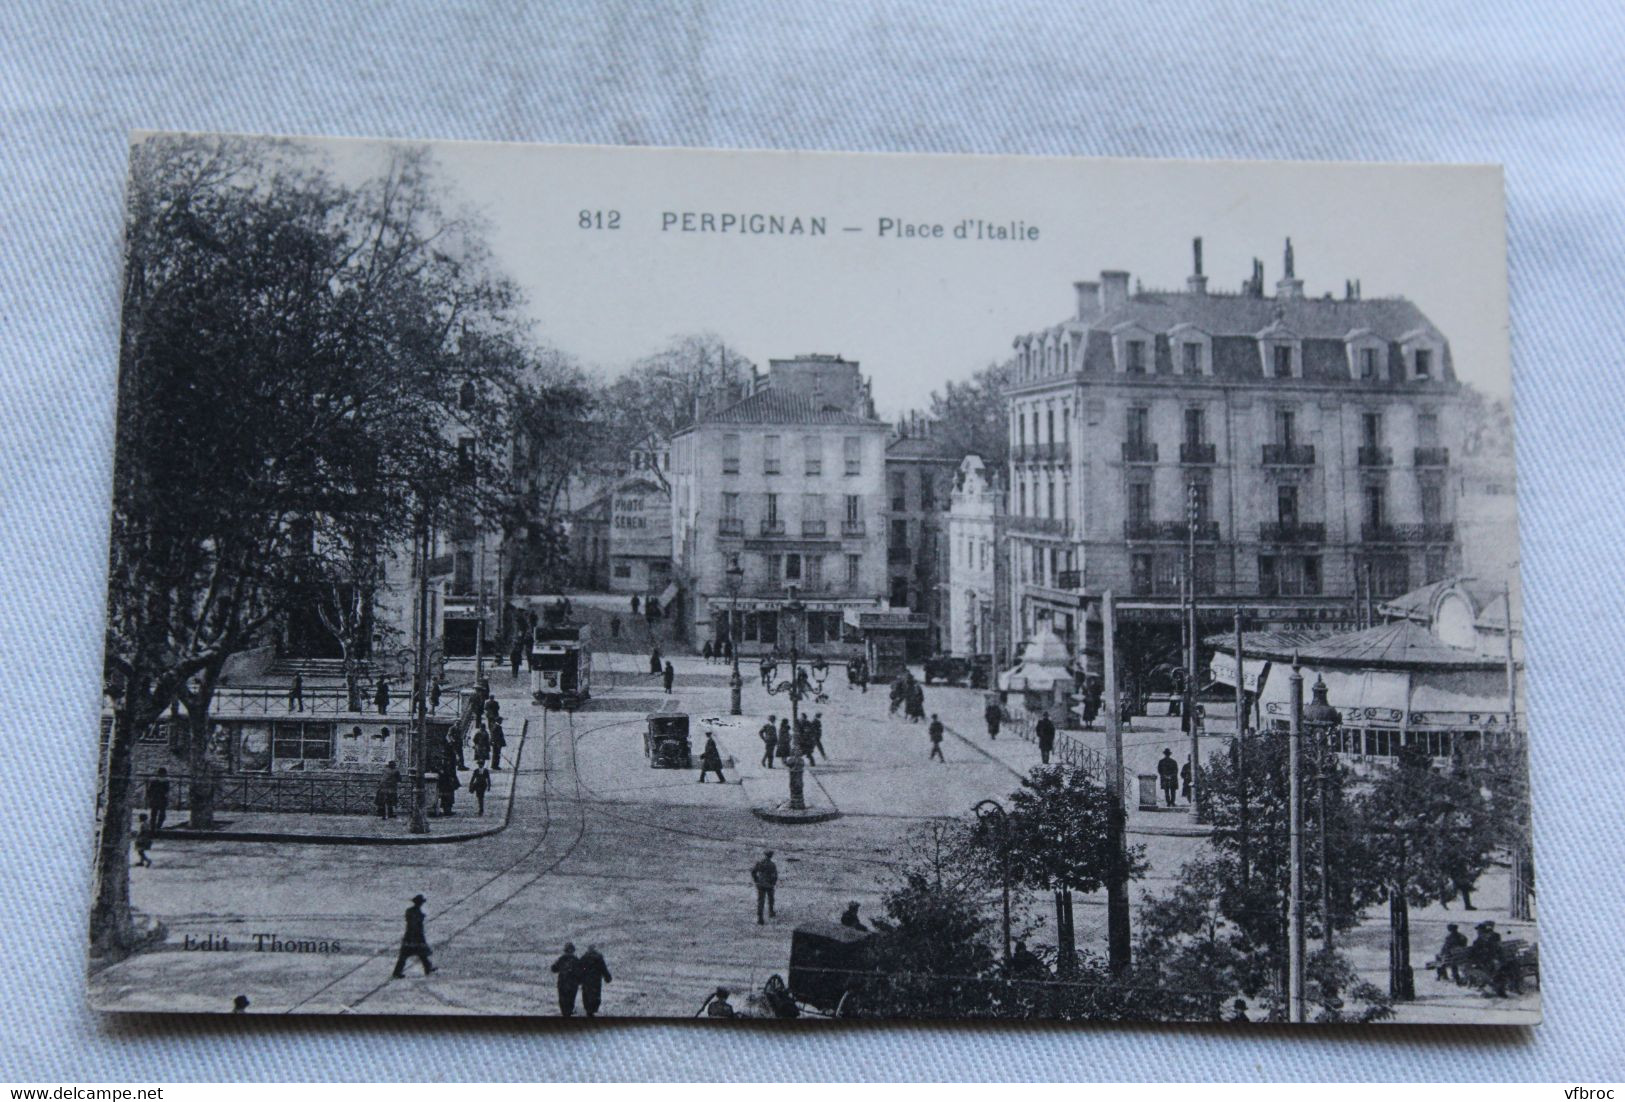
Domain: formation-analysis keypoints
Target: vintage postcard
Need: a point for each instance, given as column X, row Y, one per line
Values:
column 672, row 583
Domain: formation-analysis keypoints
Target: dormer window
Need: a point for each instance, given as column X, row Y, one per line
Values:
column 1281, row 353
column 1282, row 361
column 1135, row 350
column 1190, row 356
column 1421, row 350
column 1191, row 350
column 1368, row 364
column 1423, row 364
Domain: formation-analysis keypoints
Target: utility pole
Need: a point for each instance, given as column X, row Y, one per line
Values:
column 1117, row 918
column 417, row 822
column 479, row 619
column 1518, row 904
column 1294, row 912
column 1241, row 760
column 1191, row 517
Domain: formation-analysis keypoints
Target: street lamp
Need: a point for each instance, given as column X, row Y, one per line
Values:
column 791, row 614
column 1322, row 719
column 735, row 578
column 992, row 812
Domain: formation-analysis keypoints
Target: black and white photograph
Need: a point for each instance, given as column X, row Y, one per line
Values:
column 589, row 582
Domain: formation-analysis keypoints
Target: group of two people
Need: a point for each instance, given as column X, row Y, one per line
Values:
column 661, row 668
column 908, row 694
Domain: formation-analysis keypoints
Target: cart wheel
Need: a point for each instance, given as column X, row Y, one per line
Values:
column 846, row 1006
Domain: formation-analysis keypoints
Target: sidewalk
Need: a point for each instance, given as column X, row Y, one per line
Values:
column 961, row 712
column 368, row 830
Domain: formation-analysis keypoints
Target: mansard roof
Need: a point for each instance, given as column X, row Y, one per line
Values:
column 770, row 407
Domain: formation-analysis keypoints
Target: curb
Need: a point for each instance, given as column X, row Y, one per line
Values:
column 361, row 839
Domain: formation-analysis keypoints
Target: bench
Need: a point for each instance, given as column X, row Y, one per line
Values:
column 1519, row 961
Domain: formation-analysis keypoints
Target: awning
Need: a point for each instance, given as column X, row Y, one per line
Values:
column 668, row 595
column 1253, row 671
column 1367, row 698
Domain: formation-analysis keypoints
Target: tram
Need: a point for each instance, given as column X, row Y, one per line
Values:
column 561, row 665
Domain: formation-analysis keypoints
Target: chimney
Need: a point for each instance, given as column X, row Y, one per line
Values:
column 1088, row 298
column 1196, row 283
column 1113, row 290
column 1254, row 286
column 1288, row 286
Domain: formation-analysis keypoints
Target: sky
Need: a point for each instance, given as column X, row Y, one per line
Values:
column 595, row 238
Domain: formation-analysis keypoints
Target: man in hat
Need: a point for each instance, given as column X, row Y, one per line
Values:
column 850, row 919
column 711, row 759
column 667, row 675
column 1044, row 729
column 993, row 715
column 935, row 731
column 1168, row 776
column 765, row 875
column 498, row 741
column 479, row 784
column 818, row 734
column 717, row 1006
column 769, row 734
column 389, row 790
column 414, row 942
column 1485, row 954
column 568, row 969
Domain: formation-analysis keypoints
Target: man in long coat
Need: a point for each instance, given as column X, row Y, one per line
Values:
column 498, row 741
column 380, row 696
column 594, row 973
column 568, row 969
column 415, row 941
column 1045, row 730
column 711, row 760
column 158, row 798
column 994, row 716
column 1168, row 776
column 770, row 736
column 765, row 875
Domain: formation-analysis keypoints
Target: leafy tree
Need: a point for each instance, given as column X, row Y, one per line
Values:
column 660, row 393
column 1424, row 828
column 974, row 417
column 1058, row 843
column 302, row 364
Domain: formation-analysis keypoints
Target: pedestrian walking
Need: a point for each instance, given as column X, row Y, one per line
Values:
column 498, row 741
column 1168, row 776
column 711, row 760
column 1450, row 953
column 434, row 694
column 654, row 661
column 143, row 841
column 482, row 746
column 296, row 693
column 479, row 783
column 765, row 875
column 594, row 974
column 1044, row 730
column 707, row 652
column 158, row 799
column 993, row 715
column 818, row 734
column 935, row 731
column 769, row 735
column 785, row 747
column 615, row 627
column 415, row 941
column 667, row 676
column 568, row 969
column 389, row 791
column 493, row 710
column 516, row 656
column 728, row 651
column 457, row 741
column 380, row 696
column 766, row 666
column 634, row 604
column 1185, row 781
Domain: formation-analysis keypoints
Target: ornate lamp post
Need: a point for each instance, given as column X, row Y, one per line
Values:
column 1321, row 719
column 735, row 575
column 992, row 813
column 791, row 615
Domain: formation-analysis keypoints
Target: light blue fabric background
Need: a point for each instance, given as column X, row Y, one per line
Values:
column 1536, row 86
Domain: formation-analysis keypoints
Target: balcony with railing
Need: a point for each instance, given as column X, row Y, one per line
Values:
column 1375, row 455
column 814, row 529
column 733, row 527
column 1038, row 526
column 853, row 529
column 1192, row 453
column 1052, row 452
column 1069, row 579
column 772, row 528
column 1408, row 533
column 1285, row 531
column 1431, row 457
column 1207, row 531
column 1288, row 455
column 1139, row 451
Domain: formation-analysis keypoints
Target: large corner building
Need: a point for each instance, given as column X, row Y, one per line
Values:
column 1305, row 442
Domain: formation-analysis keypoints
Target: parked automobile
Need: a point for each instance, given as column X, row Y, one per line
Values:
column 954, row 669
